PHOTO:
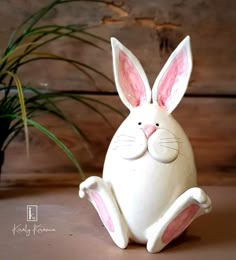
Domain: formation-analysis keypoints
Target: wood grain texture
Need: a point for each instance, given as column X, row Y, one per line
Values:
column 161, row 25
column 209, row 123
column 151, row 29
column 69, row 179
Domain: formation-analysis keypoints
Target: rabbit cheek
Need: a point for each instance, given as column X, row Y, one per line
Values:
column 163, row 146
column 134, row 148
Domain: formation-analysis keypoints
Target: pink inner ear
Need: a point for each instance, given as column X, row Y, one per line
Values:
column 130, row 81
column 176, row 71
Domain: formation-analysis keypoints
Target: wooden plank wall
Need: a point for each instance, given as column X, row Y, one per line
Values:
column 151, row 29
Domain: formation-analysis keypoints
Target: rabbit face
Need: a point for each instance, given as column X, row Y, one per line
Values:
column 148, row 129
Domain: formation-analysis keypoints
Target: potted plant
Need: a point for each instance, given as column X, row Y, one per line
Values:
column 18, row 102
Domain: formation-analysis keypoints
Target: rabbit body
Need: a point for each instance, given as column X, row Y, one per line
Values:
column 144, row 185
column 147, row 193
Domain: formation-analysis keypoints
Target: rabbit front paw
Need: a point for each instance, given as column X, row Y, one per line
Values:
column 201, row 198
column 92, row 183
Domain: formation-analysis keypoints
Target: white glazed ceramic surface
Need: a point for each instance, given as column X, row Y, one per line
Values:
column 148, row 192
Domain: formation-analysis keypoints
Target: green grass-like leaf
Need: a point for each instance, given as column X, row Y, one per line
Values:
column 26, row 45
column 51, row 136
column 22, row 106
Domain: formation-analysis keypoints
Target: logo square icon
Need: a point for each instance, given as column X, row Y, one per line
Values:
column 32, row 213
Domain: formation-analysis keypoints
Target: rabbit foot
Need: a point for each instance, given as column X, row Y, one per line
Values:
column 188, row 206
column 100, row 195
column 201, row 199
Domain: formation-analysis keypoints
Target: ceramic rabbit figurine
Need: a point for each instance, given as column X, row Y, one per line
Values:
column 148, row 192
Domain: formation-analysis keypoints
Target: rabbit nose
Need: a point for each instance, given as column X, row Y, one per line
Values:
column 149, row 130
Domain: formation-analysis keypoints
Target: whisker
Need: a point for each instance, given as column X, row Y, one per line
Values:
column 173, row 149
column 169, row 147
column 169, row 138
column 179, row 153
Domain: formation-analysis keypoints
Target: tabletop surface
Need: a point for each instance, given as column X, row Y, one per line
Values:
column 69, row 228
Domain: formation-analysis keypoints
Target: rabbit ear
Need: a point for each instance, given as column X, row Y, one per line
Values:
column 172, row 82
column 130, row 78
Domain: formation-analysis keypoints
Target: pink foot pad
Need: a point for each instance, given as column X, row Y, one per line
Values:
column 178, row 225
column 102, row 210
